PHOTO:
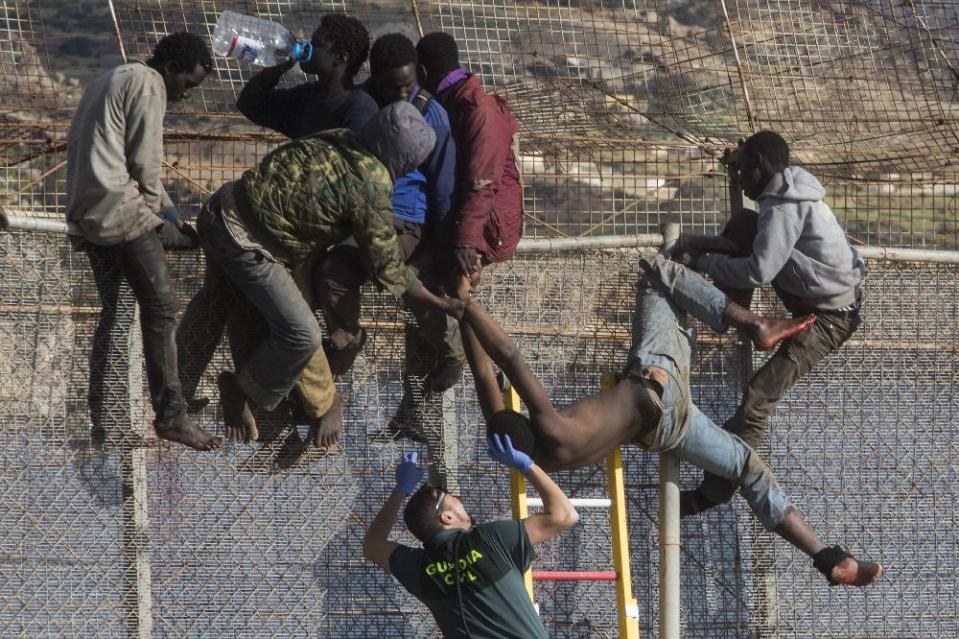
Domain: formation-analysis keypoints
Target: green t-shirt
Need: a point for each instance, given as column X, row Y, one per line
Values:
column 492, row 559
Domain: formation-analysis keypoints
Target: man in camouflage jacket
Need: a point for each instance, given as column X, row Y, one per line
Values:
column 305, row 197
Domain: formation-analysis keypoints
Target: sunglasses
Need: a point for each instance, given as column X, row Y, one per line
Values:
column 439, row 501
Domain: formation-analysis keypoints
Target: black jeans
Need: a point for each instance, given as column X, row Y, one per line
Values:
column 790, row 363
column 141, row 263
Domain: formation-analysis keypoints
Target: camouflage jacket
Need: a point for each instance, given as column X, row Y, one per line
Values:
column 312, row 193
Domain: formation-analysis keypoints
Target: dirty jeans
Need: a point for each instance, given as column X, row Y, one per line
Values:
column 790, row 363
column 234, row 277
column 664, row 295
column 142, row 264
column 340, row 274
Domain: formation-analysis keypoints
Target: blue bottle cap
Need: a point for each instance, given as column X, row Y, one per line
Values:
column 303, row 51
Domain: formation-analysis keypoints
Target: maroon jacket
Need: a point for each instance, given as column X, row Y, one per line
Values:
column 490, row 194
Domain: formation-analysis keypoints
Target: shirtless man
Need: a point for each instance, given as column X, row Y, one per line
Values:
column 650, row 406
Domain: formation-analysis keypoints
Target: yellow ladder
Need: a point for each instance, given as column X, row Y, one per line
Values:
column 626, row 607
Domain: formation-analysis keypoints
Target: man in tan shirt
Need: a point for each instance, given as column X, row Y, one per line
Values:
column 115, row 197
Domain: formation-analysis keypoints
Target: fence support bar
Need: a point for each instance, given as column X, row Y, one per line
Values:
column 669, row 546
column 669, row 591
column 908, row 254
column 137, row 582
column 545, row 245
column 14, row 220
column 9, row 221
column 555, row 575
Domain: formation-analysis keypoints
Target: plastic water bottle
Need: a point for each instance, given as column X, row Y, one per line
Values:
column 257, row 41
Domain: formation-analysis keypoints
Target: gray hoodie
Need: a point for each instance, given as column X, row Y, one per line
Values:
column 799, row 245
column 399, row 137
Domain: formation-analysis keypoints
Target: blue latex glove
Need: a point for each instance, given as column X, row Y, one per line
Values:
column 501, row 450
column 408, row 474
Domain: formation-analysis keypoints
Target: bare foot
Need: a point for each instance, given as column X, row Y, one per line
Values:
column 767, row 332
column 850, row 572
column 328, row 429
column 183, row 430
column 240, row 424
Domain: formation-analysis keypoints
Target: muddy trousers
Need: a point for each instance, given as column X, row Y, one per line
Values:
column 141, row 264
column 339, row 276
column 790, row 363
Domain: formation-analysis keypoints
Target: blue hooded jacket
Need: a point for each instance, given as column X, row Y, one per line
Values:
column 425, row 196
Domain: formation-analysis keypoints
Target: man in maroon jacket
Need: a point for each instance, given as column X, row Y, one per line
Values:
column 489, row 209
column 487, row 205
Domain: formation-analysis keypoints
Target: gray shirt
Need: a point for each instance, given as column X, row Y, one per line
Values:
column 799, row 245
column 115, row 156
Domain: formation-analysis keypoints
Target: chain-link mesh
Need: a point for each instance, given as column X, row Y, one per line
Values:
column 239, row 547
column 624, row 108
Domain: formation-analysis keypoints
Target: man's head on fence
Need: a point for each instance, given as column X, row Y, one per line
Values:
column 438, row 57
column 392, row 68
column 184, row 60
column 761, row 156
column 431, row 510
column 341, row 45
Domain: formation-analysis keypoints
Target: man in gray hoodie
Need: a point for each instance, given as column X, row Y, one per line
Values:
column 797, row 245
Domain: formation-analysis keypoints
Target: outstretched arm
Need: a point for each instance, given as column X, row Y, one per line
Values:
column 498, row 345
column 779, row 230
column 487, row 388
column 558, row 512
column 377, row 546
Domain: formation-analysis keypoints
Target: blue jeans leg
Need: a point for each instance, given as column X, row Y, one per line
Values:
column 293, row 333
column 688, row 290
column 657, row 332
column 721, row 453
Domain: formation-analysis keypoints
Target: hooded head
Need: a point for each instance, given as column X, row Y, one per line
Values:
column 399, row 137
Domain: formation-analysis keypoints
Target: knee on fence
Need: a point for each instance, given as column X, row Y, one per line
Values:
column 304, row 338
